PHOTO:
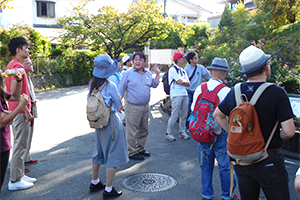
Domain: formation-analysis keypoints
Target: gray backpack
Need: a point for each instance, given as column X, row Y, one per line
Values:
column 97, row 111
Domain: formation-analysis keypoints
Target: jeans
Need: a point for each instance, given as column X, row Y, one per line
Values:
column 207, row 153
column 269, row 174
column 191, row 95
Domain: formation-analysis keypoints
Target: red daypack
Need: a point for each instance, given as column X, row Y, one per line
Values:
column 203, row 127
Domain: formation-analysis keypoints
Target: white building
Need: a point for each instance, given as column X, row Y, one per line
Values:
column 184, row 11
column 215, row 18
column 42, row 15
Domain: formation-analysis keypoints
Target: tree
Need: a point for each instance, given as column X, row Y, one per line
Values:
column 172, row 38
column 113, row 31
column 197, row 35
column 39, row 44
column 5, row 4
column 283, row 12
column 240, row 15
column 226, row 18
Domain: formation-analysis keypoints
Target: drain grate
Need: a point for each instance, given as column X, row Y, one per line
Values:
column 149, row 182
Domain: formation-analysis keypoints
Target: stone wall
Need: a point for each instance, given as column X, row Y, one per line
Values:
column 44, row 81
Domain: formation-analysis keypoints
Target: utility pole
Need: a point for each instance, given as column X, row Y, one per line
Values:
column 165, row 2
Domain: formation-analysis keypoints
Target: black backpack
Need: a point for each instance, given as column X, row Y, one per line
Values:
column 165, row 80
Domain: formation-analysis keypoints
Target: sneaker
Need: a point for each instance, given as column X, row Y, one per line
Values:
column 19, row 185
column 112, row 194
column 26, row 170
column 235, row 197
column 32, row 162
column 137, row 157
column 98, row 187
column 28, row 179
column 184, row 136
column 188, row 132
column 170, row 137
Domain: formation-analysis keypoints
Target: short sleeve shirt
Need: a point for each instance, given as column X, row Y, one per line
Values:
column 175, row 89
column 25, row 88
column 272, row 105
column 5, row 138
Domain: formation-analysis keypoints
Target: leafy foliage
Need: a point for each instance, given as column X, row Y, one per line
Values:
column 283, row 12
column 171, row 38
column 112, row 31
column 39, row 44
column 226, row 18
column 6, row 4
column 197, row 35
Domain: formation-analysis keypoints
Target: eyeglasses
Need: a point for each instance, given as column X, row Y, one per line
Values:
column 196, row 58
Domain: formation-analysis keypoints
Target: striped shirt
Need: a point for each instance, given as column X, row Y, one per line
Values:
column 137, row 86
column 175, row 89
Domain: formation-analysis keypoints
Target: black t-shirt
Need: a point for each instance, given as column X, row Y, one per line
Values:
column 272, row 105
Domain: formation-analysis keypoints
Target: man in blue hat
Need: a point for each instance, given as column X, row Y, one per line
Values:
column 208, row 152
column 273, row 105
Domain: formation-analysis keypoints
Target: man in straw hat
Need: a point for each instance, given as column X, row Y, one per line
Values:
column 209, row 151
column 273, row 105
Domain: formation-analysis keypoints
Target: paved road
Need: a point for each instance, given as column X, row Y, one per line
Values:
column 63, row 144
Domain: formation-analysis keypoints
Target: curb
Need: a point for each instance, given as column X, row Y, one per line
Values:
column 290, row 154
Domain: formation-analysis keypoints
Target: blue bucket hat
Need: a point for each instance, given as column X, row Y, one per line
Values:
column 104, row 66
column 219, row 64
column 252, row 59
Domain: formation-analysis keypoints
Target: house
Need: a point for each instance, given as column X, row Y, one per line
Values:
column 184, row 11
column 42, row 15
column 215, row 18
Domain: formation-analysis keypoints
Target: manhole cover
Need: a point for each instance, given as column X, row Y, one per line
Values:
column 149, row 182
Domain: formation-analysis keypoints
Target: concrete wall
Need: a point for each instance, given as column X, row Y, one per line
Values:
column 161, row 56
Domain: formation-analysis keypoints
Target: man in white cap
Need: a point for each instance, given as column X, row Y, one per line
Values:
column 127, row 63
column 208, row 152
column 273, row 105
column 178, row 81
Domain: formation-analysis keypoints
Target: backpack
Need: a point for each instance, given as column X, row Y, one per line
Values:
column 96, row 109
column 165, row 80
column 245, row 142
column 203, row 127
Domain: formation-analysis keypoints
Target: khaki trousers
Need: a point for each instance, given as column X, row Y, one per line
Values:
column 20, row 130
column 179, row 110
column 136, row 117
column 27, row 155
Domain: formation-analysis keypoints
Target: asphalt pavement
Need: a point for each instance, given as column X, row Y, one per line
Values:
column 63, row 143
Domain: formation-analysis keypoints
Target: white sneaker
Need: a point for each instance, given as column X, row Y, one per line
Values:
column 19, row 185
column 28, row 179
column 188, row 132
column 184, row 135
column 170, row 137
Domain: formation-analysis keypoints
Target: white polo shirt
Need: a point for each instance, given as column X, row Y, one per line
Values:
column 175, row 89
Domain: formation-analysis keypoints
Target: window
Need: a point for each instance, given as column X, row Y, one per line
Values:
column 191, row 19
column 45, row 9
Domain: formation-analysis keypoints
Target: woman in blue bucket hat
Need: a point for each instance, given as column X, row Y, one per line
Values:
column 109, row 151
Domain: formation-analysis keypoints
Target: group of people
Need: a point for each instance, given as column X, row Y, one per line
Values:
column 20, row 113
column 270, row 175
column 116, row 144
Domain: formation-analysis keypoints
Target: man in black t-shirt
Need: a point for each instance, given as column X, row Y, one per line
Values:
column 273, row 105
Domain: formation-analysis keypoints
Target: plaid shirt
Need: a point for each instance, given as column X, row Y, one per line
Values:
column 137, row 86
